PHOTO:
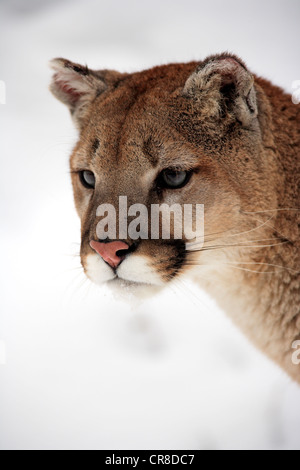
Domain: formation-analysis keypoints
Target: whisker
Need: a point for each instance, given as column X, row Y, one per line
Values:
column 240, row 233
column 73, row 255
column 236, row 267
column 249, row 241
column 271, row 210
column 197, row 300
column 78, row 289
column 232, row 263
column 208, row 236
column 266, row 264
column 221, row 247
column 76, row 268
column 275, row 229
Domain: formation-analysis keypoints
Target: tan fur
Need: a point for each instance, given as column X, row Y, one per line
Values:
column 241, row 136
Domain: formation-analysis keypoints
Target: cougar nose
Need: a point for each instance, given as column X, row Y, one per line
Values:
column 108, row 251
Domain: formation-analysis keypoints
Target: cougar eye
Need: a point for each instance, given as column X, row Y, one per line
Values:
column 173, row 179
column 87, row 178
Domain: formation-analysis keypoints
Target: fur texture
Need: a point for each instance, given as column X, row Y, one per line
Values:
column 240, row 137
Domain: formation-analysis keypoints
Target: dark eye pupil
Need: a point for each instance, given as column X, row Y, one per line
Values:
column 174, row 179
column 87, row 179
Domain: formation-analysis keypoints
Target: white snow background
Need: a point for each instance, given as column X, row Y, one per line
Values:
column 84, row 370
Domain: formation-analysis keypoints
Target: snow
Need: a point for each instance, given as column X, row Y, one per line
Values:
column 83, row 369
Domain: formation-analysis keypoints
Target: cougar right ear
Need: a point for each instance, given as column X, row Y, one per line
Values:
column 76, row 86
column 222, row 85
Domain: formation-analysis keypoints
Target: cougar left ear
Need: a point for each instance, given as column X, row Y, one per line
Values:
column 221, row 85
column 76, row 86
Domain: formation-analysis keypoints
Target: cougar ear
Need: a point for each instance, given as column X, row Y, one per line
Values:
column 76, row 86
column 222, row 85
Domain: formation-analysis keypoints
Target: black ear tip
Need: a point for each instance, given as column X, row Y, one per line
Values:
column 80, row 69
column 60, row 63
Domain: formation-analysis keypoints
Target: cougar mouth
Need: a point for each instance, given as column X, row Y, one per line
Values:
column 131, row 290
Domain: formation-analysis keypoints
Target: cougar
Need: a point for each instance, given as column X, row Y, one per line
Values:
column 209, row 133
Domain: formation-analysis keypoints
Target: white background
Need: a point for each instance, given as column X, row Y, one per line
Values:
column 85, row 370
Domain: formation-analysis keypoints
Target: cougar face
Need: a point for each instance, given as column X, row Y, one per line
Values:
column 208, row 135
column 177, row 134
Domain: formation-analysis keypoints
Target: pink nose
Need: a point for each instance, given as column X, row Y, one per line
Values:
column 108, row 251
